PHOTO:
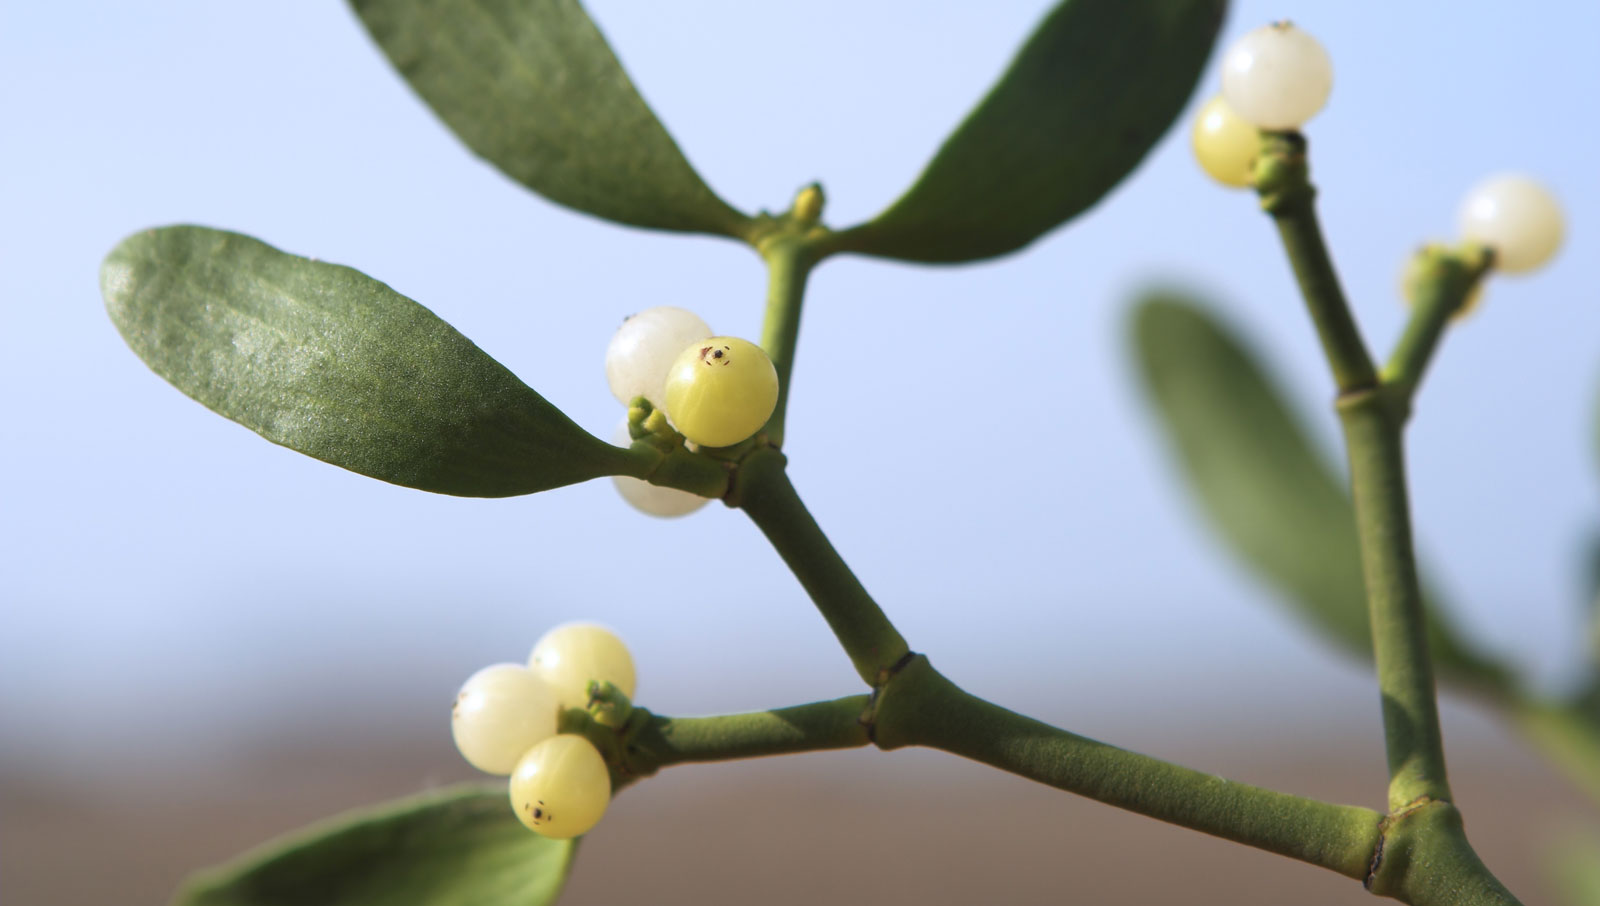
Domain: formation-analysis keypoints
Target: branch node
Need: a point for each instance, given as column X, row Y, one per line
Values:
column 1384, row 825
column 869, row 714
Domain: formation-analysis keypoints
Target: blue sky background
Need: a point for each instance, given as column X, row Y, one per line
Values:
column 175, row 584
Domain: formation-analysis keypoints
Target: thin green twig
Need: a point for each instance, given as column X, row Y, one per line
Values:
column 789, row 263
column 1283, row 181
column 763, row 490
column 1423, row 856
column 819, row 726
column 1413, row 739
column 923, row 708
column 1442, row 281
column 1372, row 430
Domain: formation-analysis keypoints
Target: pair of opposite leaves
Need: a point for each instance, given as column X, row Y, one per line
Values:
column 326, row 361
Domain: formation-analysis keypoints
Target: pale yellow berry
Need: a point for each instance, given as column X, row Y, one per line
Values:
column 561, row 787
column 1224, row 144
column 721, row 390
column 572, row 655
column 500, row 712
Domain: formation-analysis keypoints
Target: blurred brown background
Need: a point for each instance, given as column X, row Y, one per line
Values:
column 860, row 826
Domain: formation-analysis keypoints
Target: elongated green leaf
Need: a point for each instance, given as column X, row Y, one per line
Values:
column 1268, row 491
column 532, row 87
column 455, row 846
column 328, row 361
column 1084, row 100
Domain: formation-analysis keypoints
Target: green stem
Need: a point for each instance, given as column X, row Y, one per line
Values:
column 1394, row 599
column 1443, row 281
column 1283, row 181
column 1423, row 856
column 922, row 708
column 1425, row 860
column 763, row 490
column 789, row 261
column 820, row 726
column 1372, row 427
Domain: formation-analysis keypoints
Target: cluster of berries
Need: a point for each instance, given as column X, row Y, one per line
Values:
column 1277, row 77
column 717, row 391
column 505, row 722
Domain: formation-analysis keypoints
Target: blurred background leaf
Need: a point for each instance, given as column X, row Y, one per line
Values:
column 1269, row 493
column 532, row 87
column 328, row 361
column 460, row 845
column 1094, row 88
column 1575, row 863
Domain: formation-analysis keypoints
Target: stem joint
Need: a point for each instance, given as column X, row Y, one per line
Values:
column 869, row 714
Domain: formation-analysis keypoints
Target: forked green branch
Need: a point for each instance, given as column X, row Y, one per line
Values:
column 915, row 705
column 1435, row 862
column 1378, row 483
column 1442, row 282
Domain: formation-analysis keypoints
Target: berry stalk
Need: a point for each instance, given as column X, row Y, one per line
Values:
column 1283, row 181
column 1447, row 278
column 814, row 727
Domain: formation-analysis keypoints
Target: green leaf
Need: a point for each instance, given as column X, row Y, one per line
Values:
column 1270, row 494
column 460, row 845
column 532, row 87
column 1575, row 865
column 1085, row 99
column 1568, row 732
column 328, row 361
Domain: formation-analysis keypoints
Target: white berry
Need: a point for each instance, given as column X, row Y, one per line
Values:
column 561, row 787
column 1516, row 217
column 644, row 348
column 652, row 498
column 501, row 712
column 1277, row 77
column 572, row 655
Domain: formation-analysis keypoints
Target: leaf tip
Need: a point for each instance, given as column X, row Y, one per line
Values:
column 1155, row 308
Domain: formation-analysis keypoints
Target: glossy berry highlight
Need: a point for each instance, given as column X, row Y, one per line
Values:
column 721, row 390
column 1517, row 217
column 1277, row 77
column 572, row 655
column 560, row 787
column 501, row 712
column 645, row 346
column 1224, row 144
